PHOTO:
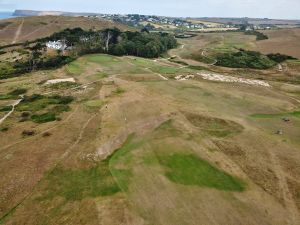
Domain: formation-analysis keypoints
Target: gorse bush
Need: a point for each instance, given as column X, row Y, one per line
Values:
column 245, row 59
column 38, row 104
column 259, row 36
column 279, row 58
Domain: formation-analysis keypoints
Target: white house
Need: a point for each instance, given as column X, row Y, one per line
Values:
column 58, row 45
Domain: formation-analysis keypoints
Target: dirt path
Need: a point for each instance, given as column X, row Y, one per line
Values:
column 203, row 54
column 18, row 32
column 158, row 74
column 12, row 110
column 78, row 139
column 288, row 199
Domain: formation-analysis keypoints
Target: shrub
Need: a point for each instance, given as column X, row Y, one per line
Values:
column 62, row 99
column 44, row 118
column 245, row 59
column 28, row 133
column 32, row 98
column 18, row 91
column 47, row 134
column 279, row 58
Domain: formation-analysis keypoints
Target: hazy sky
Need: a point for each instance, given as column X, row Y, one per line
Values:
column 289, row 9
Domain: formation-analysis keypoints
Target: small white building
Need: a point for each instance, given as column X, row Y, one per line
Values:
column 58, row 45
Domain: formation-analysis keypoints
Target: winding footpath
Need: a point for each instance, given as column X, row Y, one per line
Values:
column 17, row 102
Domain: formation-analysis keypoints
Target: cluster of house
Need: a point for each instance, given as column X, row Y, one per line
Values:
column 256, row 27
column 137, row 20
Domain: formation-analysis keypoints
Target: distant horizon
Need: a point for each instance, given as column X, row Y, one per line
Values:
column 233, row 17
column 283, row 9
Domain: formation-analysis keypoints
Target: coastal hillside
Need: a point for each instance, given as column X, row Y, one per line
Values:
column 23, row 29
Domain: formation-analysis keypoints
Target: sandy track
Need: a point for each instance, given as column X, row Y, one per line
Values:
column 18, row 32
column 12, row 110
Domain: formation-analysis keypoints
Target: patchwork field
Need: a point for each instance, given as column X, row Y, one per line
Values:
column 127, row 143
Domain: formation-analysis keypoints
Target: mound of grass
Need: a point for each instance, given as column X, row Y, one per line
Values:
column 79, row 184
column 214, row 126
column 191, row 170
column 245, row 59
column 43, row 118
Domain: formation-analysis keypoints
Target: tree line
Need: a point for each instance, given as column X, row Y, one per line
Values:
column 80, row 42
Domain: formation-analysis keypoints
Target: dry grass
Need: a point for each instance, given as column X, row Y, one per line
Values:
column 284, row 41
column 61, row 177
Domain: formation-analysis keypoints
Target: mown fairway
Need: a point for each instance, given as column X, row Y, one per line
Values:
column 130, row 144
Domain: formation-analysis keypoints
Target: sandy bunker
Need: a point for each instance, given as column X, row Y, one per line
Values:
column 55, row 81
